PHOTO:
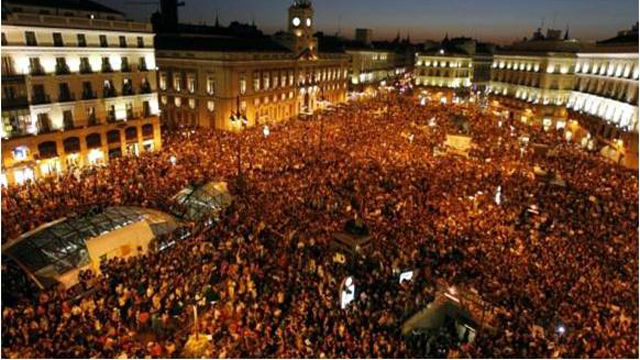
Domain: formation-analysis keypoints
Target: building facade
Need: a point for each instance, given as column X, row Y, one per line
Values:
column 443, row 69
column 78, row 88
column 369, row 66
column 212, row 82
column 548, row 81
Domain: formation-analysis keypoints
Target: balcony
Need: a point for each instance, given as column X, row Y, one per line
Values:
column 89, row 95
column 36, row 70
column 93, row 121
column 125, row 68
column 142, row 67
column 66, row 97
column 107, row 69
column 128, row 91
column 85, row 69
column 145, row 89
column 15, row 103
column 109, row 93
column 40, row 99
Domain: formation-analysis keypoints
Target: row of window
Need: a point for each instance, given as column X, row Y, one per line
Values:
column 30, row 39
column 40, row 96
column 444, row 73
column 611, row 69
column 192, row 103
column 617, row 90
column 516, row 65
column 436, row 63
column 84, row 67
column 20, row 125
column 262, row 80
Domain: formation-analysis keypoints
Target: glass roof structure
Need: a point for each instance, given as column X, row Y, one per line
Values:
column 60, row 246
column 195, row 203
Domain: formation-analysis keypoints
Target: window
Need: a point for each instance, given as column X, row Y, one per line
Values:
column 124, row 64
column 127, row 87
column 129, row 108
column 140, row 42
column 256, row 81
column 111, row 113
column 163, row 81
column 63, row 92
column 85, row 67
column 38, row 95
column 103, row 41
column 123, row 41
column 4, row 39
column 211, row 86
column 191, row 84
column 265, row 80
column 142, row 64
column 82, row 40
column 106, row 65
column 91, row 116
column 243, row 85
column 67, row 119
column 177, row 82
column 210, row 105
column 34, row 66
column 87, row 91
column 30, row 38
column 146, row 109
column 145, row 87
column 57, row 39
column 192, row 103
column 61, row 66
column 20, row 153
column 7, row 66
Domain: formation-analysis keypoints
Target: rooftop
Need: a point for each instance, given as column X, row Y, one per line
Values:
column 216, row 43
column 78, row 5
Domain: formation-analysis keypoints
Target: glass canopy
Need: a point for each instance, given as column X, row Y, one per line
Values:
column 195, row 203
column 60, row 246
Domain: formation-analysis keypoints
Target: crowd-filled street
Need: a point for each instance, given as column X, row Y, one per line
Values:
column 265, row 280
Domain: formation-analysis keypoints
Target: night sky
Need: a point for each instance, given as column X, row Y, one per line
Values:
column 501, row 21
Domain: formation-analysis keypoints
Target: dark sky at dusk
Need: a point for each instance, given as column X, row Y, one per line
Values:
column 499, row 21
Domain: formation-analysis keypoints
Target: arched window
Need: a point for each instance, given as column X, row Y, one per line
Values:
column 93, row 141
column 131, row 133
column 71, row 145
column 113, row 136
column 47, row 150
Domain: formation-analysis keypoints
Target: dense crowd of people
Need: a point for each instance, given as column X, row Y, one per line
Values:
column 264, row 278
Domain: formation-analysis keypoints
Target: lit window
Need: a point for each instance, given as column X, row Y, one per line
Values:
column 192, row 103
column 210, row 105
column 211, row 86
column 20, row 153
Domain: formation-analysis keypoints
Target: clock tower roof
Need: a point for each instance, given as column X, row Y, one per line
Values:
column 302, row 4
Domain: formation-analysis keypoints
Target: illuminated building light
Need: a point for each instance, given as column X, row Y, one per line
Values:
column 95, row 156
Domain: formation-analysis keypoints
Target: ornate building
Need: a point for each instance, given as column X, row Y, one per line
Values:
column 215, row 78
column 454, row 64
column 78, row 87
column 553, row 81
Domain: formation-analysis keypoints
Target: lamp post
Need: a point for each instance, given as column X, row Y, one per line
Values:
column 235, row 118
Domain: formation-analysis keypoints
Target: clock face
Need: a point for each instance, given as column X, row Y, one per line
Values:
column 296, row 21
column 308, row 22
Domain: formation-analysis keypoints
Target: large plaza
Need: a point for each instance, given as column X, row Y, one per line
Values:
column 172, row 188
column 556, row 261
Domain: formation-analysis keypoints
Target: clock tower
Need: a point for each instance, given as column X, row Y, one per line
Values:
column 300, row 27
